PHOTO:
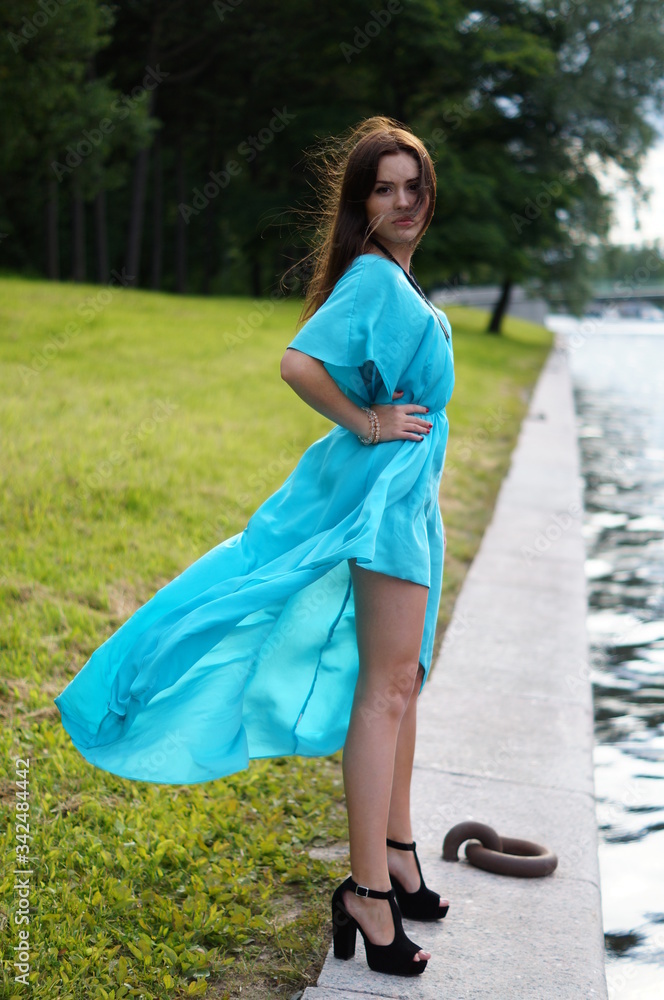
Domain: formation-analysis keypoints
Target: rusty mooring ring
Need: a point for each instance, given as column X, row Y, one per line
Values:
column 502, row 855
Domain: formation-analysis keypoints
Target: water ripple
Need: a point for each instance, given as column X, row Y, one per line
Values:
column 618, row 375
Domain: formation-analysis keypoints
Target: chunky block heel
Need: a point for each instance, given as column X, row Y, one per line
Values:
column 344, row 927
column 423, row 904
column 395, row 959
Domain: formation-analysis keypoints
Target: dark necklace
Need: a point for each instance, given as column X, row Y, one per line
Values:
column 413, row 281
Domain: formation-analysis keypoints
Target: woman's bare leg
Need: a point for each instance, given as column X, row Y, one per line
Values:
column 398, row 823
column 389, row 617
column 402, row 863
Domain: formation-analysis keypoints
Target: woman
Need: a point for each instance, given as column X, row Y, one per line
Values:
column 379, row 213
column 313, row 628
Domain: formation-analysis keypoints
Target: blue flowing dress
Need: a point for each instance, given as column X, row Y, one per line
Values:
column 251, row 651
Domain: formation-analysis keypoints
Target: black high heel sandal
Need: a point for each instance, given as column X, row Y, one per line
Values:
column 423, row 904
column 396, row 959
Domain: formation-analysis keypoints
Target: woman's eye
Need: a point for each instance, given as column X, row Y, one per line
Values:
column 382, row 190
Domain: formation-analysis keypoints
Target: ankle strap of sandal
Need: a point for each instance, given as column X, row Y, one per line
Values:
column 362, row 890
column 400, row 847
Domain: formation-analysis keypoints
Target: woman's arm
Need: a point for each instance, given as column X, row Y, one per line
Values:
column 308, row 377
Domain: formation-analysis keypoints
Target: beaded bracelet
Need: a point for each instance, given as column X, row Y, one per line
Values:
column 374, row 436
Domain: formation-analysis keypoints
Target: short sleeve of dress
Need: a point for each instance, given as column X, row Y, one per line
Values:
column 364, row 332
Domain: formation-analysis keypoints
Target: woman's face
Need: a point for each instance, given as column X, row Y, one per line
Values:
column 392, row 202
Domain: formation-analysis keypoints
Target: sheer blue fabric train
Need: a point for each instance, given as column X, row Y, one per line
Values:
column 251, row 651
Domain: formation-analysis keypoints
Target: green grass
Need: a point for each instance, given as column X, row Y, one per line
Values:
column 131, row 444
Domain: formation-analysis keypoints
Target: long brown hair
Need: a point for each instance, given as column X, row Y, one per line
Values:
column 349, row 171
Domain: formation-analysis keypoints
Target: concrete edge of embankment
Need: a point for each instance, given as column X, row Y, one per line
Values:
column 506, row 738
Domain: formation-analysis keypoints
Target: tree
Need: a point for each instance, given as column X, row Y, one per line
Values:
column 519, row 102
column 58, row 126
column 549, row 130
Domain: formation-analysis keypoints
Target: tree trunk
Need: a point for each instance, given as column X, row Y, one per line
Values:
column 135, row 237
column 211, row 261
column 52, row 244
column 78, row 225
column 256, row 282
column 501, row 307
column 157, row 215
column 101, row 238
column 181, row 231
column 212, row 248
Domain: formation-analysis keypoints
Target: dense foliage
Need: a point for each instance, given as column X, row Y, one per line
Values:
column 165, row 142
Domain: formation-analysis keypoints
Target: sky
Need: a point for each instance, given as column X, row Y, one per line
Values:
column 650, row 217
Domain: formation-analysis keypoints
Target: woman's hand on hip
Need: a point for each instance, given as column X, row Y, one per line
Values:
column 402, row 422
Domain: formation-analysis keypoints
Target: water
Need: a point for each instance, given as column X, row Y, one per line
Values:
column 618, row 374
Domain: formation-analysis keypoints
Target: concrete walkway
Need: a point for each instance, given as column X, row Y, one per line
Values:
column 505, row 737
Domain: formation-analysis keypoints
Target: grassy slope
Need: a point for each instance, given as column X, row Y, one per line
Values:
column 132, row 442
